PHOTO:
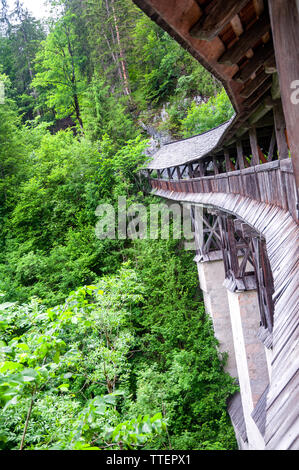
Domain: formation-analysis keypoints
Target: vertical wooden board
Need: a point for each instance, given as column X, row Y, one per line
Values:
column 275, row 199
column 282, row 190
column 231, row 183
column 205, row 186
column 216, row 185
column 255, row 183
column 264, row 190
column 213, row 186
column 249, row 186
column 285, row 25
column 226, row 183
column 261, row 183
column 291, row 194
column 198, row 187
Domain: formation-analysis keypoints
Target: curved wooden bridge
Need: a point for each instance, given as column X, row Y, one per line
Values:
column 244, row 174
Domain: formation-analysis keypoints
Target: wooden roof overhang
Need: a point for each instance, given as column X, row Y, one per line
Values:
column 188, row 150
column 233, row 40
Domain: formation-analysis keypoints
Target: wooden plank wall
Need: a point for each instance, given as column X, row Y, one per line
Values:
column 272, row 183
column 281, row 233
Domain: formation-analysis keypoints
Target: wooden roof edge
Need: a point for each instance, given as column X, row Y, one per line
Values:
column 155, row 166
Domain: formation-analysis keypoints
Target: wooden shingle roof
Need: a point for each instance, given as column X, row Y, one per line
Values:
column 188, row 150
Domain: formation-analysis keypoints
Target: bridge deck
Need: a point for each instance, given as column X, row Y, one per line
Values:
column 281, row 232
column 272, row 183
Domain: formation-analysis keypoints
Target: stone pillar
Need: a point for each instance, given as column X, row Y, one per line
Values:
column 211, row 278
column 250, row 358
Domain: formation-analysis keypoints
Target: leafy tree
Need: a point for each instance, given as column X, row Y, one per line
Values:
column 132, row 351
column 59, row 79
column 206, row 116
column 20, row 40
column 83, row 345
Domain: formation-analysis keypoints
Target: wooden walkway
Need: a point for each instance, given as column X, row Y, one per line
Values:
column 243, row 168
column 276, row 224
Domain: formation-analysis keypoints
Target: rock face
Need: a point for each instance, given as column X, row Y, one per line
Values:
column 157, row 138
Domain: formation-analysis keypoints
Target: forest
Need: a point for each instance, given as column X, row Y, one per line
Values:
column 104, row 344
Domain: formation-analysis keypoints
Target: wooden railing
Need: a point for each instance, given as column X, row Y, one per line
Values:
column 272, row 183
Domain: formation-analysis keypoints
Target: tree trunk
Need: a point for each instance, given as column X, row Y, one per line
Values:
column 121, row 53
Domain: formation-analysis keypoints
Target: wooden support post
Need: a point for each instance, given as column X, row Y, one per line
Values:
column 240, row 155
column 215, row 164
column 271, row 147
column 227, row 161
column 190, row 170
column 254, row 147
column 285, row 26
column 172, row 172
column 169, row 173
column 201, row 169
column 280, row 128
column 275, row 90
column 159, row 174
column 179, row 172
column 221, row 13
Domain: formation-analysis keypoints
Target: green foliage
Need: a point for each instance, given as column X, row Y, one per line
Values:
column 163, row 69
column 58, row 79
column 78, row 349
column 129, row 360
column 19, row 43
column 206, row 116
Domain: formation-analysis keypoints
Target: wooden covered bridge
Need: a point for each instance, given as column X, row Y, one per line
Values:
column 245, row 174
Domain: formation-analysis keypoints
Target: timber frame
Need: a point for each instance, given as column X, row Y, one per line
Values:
column 245, row 174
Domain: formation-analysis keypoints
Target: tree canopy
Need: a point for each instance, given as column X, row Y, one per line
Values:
column 103, row 343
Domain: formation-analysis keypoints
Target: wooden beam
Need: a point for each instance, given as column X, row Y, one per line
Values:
column 229, row 166
column 190, row 170
column 263, row 53
column 240, row 155
column 259, row 6
column 248, row 40
column 280, row 128
column 221, row 13
column 215, row 163
column 275, row 90
column 178, row 172
column 254, row 147
column 271, row 147
column 254, row 98
column 201, row 169
column 237, row 26
column 270, row 66
column 261, row 110
column 285, row 26
column 254, row 84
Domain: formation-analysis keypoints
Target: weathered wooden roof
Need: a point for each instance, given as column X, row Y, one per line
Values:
column 230, row 38
column 188, row 150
